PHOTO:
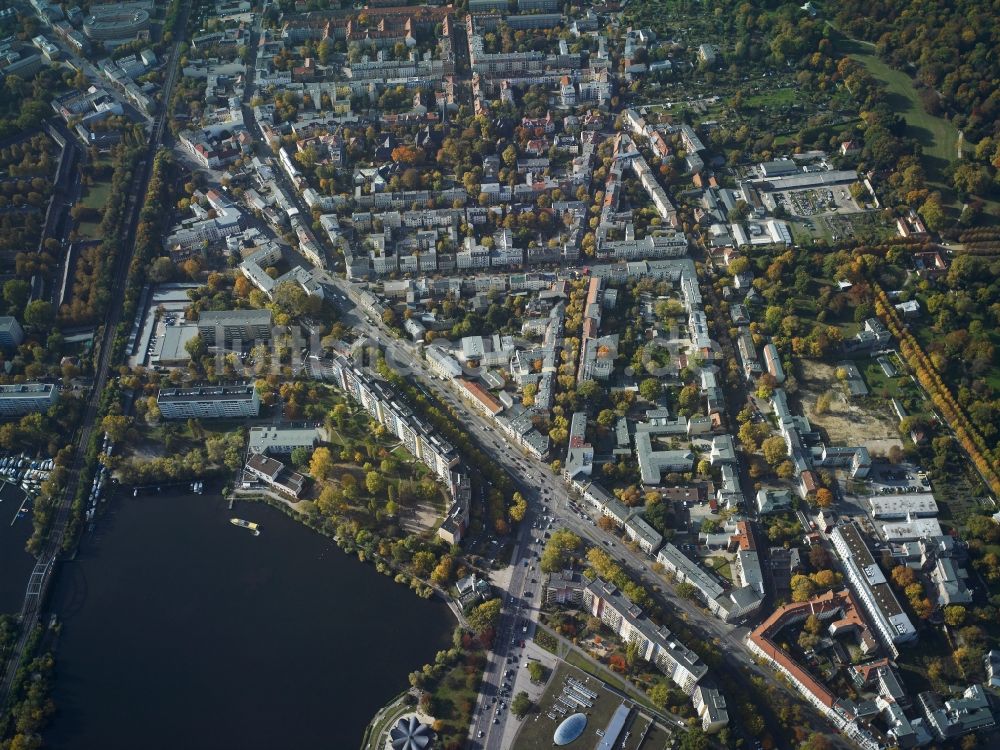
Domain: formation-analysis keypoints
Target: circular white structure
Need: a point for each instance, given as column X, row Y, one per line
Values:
column 570, row 729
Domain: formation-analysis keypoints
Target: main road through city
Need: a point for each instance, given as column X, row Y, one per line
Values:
column 548, row 500
column 548, row 497
column 42, row 574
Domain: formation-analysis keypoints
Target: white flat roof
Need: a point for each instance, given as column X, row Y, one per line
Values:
column 899, row 506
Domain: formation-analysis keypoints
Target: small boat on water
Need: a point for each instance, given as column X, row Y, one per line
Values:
column 254, row 528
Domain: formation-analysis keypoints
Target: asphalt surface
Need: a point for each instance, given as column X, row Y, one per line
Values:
column 535, row 480
column 548, row 500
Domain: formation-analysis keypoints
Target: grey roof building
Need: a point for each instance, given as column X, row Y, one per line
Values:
column 171, row 347
column 26, row 398
column 283, row 440
column 656, row 644
column 711, row 707
column 209, row 402
column 11, row 333
column 217, row 327
column 957, row 716
column 868, row 582
column 652, row 463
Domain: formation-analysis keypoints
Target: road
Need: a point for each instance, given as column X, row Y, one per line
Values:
column 547, row 496
column 549, row 504
column 250, row 121
column 41, row 577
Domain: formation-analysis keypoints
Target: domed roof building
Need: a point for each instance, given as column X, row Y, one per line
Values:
column 410, row 734
column 570, row 729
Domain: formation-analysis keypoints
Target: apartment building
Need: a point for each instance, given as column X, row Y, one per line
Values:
column 773, row 362
column 711, row 707
column 479, row 398
column 418, row 437
column 580, row 455
column 868, row 582
column 209, row 402
column 728, row 605
column 11, row 333
column 839, row 612
column 26, row 398
column 747, row 568
column 223, row 327
column 648, row 538
column 441, row 363
column 656, row 645
column 565, row 587
column 386, row 407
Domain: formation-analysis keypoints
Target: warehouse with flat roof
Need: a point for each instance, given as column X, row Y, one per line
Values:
column 898, row 507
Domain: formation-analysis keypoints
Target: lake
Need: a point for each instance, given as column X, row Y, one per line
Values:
column 15, row 563
column 183, row 630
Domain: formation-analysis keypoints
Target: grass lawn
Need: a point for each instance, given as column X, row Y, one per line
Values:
column 97, row 195
column 775, row 98
column 938, row 137
column 801, row 234
column 577, row 659
column 537, row 728
column 849, row 329
column 454, row 698
column 89, row 230
column 720, row 565
column 878, row 382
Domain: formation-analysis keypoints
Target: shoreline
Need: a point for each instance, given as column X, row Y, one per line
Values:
column 288, row 507
column 433, row 639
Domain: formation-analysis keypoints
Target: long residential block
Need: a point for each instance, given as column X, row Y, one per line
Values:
column 656, row 645
column 209, row 402
column 837, row 610
column 870, row 586
column 219, row 327
column 386, row 407
column 26, row 398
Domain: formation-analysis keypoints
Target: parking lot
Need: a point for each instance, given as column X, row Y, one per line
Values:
column 816, row 201
column 171, row 300
column 887, row 479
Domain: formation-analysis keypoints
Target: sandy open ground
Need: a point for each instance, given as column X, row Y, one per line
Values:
column 847, row 422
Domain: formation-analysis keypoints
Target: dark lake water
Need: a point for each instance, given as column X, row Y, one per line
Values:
column 15, row 563
column 181, row 630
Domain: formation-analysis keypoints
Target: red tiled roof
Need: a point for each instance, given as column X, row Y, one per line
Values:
column 482, row 396
column 830, row 601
